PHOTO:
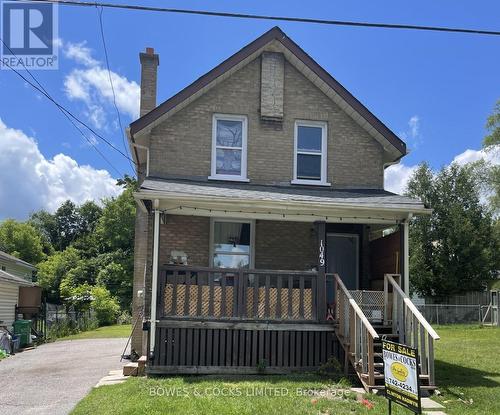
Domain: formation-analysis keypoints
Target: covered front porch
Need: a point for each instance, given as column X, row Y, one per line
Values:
column 253, row 281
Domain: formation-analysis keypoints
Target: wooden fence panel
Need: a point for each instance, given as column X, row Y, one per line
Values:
column 198, row 350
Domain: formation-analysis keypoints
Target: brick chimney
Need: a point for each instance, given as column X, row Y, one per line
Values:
column 149, row 69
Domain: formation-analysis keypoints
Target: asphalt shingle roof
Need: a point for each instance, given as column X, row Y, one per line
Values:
column 5, row 276
column 300, row 194
column 9, row 257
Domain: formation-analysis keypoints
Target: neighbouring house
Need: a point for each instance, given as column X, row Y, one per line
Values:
column 15, row 274
column 265, row 241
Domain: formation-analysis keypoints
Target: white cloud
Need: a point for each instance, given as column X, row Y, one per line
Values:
column 91, row 85
column 29, row 181
column 412, row 134
column 469, row 156
column 80, row 53
column 396, row 177
column 414, row 124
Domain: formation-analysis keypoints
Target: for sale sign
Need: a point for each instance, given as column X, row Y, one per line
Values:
column 401, row 375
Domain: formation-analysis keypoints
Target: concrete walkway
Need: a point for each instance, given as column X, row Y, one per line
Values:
column 52, row 378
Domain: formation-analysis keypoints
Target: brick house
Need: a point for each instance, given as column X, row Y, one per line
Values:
column 264, row 237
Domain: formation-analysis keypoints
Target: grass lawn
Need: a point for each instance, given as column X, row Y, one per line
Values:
column 467, row 367
column 118, row 330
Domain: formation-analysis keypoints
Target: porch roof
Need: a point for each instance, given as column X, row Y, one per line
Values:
column 298, row 198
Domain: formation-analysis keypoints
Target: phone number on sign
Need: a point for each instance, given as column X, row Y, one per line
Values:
column 401, row 385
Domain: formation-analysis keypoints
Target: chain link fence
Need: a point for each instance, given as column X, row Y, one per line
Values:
column 452, row 313
column 62, row 321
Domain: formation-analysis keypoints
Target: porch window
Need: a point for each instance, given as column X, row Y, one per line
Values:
column 310, row 153
column 229, row 147
column 231, row 242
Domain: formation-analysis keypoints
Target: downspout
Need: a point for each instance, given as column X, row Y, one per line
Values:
column 406, row 254
column 154, row 282
column 140, row 147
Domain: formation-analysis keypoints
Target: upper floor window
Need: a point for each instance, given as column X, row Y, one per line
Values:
column 310, row 153
column 229, row 147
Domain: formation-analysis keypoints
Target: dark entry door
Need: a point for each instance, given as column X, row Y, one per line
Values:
column 342, row 257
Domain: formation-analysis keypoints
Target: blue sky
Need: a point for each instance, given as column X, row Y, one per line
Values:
column 433, row 89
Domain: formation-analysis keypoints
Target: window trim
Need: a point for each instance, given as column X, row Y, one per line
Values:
column 324, row 151
column 232, row 220
column 244, row 133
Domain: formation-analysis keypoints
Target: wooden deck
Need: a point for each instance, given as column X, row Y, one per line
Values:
column 240, row 321
column 259, row 321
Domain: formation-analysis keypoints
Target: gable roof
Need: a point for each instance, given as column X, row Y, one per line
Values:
column 202, row 83
column 8, row 257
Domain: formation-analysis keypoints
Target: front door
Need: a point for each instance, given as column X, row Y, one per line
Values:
column 342, row 258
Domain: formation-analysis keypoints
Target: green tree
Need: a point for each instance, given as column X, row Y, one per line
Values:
column 493, row 127
column 88, row 215
column 491, row 143
column 115, row 272
column 79, row 297
column 44, row 222
column 115, row 229
column 84, row 271
column 22, row 241
column 52, row 271
column 67, row 225
column 453, row 249
column 105, row 306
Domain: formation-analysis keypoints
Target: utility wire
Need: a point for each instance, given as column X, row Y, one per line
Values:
column 276, row 18
column 122, row 131
column 39, row 87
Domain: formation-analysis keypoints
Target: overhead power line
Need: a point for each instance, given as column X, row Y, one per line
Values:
column 122, row 131
column 67, row 113
column 275, row 18
column 39, row 87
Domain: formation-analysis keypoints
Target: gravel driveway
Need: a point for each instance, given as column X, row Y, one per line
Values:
column 52, row 378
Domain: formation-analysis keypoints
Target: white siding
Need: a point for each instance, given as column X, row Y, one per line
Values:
column 16, row 269
column 9, row 294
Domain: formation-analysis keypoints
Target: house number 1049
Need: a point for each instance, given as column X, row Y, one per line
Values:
column 321, row 253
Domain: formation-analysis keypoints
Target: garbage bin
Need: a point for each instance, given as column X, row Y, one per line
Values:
column 16, row 341
column 23, row 329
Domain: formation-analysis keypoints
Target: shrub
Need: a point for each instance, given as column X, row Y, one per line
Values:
column 124, row 318
column 104, row 305
column 331, row 369
column 61, row 328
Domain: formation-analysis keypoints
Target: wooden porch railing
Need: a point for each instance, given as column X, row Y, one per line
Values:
column 413, row 328
column 222, row 293
column 356, row 332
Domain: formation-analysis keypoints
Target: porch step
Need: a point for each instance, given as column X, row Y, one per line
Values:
column 131, row 369
column 376, row 375
column 135, row 368
column 391, row 335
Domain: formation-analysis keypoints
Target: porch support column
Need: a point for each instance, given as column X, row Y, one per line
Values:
column 154, row 279
column 406, row 255
column 321, row 285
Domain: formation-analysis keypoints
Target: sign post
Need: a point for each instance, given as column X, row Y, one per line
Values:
column 401, row 375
